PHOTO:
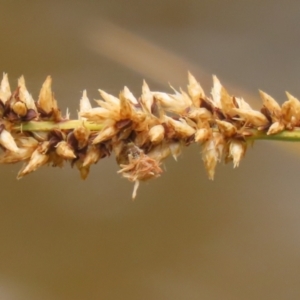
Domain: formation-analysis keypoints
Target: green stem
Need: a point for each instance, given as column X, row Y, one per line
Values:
column 286, row 135
column 49, row 125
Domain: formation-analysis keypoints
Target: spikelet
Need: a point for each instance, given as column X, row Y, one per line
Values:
column 140, row 131
column 5, row 92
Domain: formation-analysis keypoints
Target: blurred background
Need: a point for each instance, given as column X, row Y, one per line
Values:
column 184, row 237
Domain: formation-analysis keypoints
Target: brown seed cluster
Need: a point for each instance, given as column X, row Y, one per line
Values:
column 140, row 132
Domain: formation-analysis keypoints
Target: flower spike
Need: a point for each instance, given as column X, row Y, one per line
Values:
column 139, row 131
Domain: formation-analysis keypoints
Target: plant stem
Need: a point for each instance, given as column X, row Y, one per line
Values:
column 49, row 125
column 286, row 135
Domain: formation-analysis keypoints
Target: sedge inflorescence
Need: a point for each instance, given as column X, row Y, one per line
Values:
column 140, row 132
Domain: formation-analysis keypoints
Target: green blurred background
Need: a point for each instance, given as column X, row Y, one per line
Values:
column 184, row 237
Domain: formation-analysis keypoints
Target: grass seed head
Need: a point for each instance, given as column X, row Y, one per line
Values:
column 140, row 131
